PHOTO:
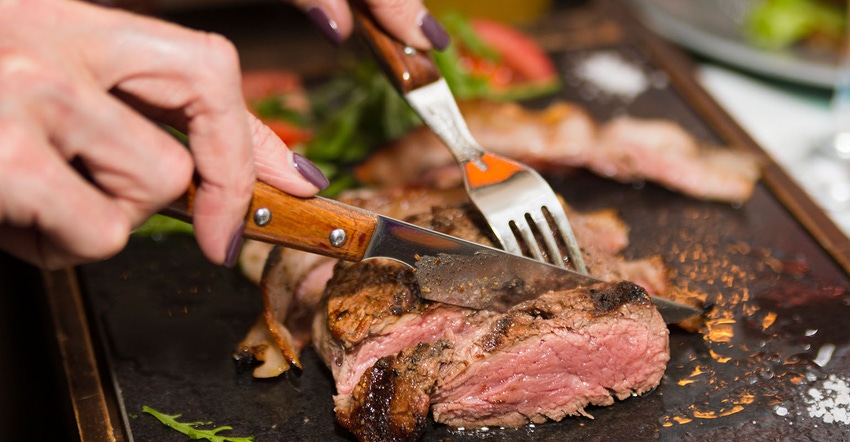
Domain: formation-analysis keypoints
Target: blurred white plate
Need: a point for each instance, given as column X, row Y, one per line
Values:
column 713, row 28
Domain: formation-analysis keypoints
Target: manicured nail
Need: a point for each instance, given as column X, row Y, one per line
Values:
column 234, row 247
column 325, row 24
column 310, row 172
column 434, row 32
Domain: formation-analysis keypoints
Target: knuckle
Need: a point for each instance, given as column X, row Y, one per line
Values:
column 19, row 68
column 262, row 135
column 220, row 54
column 213, row 70
column 26, row 78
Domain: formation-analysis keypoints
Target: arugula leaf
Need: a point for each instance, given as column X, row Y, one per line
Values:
column 358, row 110
column 462, row 83
column 188, row 428
column 158, row 224
column 276, row 108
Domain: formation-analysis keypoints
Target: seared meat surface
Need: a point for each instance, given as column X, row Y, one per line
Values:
column 394, row 356
column 543, row 359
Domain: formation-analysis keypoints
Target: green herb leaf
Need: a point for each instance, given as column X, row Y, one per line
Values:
column 159, row 224
column 358, row 111
column 275, row 108
column 189, row 428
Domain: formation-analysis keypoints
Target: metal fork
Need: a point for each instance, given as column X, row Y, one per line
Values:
column 518, row 204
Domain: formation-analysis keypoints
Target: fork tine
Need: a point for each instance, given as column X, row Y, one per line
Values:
column 506, row 238
column 573, row 250
column 524, row 229
column 548, row 235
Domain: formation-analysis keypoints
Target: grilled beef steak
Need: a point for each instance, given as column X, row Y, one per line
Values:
column 395, row 356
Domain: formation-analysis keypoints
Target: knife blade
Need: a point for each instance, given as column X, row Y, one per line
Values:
column 448, row 269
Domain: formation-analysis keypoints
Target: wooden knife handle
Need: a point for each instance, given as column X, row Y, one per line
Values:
column 308, row 224
column 407, row 68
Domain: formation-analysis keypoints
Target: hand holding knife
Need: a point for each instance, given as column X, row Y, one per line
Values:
column 330, row 228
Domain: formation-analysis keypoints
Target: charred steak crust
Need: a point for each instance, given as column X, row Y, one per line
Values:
column 462, row 221
column 392, row 399
column 526, row 318
column 367, row 293
column 607, row 298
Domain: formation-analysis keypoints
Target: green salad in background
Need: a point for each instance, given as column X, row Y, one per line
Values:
column 817, row 25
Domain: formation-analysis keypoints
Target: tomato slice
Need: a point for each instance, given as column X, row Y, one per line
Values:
column 288, row 132
column 286, row 86
column 528, row 62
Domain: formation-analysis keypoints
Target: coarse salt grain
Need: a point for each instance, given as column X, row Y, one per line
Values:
column 611, row 74
column 830, row 402
column 824, row 355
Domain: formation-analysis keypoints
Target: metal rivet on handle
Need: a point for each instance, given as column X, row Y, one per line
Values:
column 337, row 237
column 262, row 216
column 409, row 51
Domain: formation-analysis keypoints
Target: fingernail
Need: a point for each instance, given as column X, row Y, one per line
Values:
column 234, row 248
column 325, row 24
column 310, row 172
column 434, row 32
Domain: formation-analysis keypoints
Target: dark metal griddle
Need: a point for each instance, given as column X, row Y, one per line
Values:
column 164, row 322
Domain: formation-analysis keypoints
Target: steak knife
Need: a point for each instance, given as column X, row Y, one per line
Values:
column 448, row 269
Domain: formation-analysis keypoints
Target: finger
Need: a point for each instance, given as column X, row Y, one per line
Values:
column 133, row 161
column 220, row 139
column 40, row 192
column 280, row 167
column 408, row 21
column 274, row 162
column 170, row 67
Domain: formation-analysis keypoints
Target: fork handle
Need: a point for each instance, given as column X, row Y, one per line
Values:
column 418, row 80
column 407, row 68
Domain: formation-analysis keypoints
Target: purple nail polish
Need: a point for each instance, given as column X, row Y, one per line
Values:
column 325, row 24
column 435, row 32
column 310, row 172
column 234, row 248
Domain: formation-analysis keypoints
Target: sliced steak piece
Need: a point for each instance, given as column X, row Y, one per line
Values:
column 543, row 359
column 394, row 356
column 563, row 137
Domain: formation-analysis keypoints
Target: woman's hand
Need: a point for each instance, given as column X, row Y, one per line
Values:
column 81, row 161
column 407, row 20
